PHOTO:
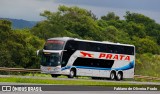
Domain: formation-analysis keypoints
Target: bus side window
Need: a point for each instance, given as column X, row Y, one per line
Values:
column 95, row 47
column 71, row 45
column 120, row 49
column 110, row 48
column 82, row 46
column 129, row 50
column 102, row 48
column 91, row 46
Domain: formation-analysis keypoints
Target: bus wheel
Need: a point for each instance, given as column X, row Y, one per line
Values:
column 72, row 73
column 54, row 75
column 119, row 76
column 94, row 77
column 113, row 75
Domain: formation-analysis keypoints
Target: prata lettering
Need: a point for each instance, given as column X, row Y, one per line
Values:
column 114, row 56
column 106, row 56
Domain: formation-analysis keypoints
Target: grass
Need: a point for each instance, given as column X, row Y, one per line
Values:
column 146, row 80
column 40, row 75
column 36, row 81
column 49, row 76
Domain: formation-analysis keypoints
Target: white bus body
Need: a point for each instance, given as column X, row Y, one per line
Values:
column 76, row 57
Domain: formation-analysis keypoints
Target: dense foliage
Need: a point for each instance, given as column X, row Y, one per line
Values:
column 18, row 47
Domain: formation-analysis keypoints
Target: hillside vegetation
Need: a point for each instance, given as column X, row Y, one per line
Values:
column 18, row 47
column 20, row 24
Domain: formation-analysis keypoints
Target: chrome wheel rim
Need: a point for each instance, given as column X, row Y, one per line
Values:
column 112, row 75
column 72, row 73
column 119, row 76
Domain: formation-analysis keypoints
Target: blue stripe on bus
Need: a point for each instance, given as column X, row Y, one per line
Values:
column 67, row 67
column 129, row 66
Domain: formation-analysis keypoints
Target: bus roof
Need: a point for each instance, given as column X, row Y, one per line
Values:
column 76, row 39
column 62, row 38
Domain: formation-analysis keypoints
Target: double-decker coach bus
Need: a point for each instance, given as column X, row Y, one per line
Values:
column 75, row 57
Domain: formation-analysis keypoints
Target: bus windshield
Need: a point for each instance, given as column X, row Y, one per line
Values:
column 54, row 45
column 50, row 59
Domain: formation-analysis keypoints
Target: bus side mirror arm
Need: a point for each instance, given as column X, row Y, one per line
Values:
column 37, row 52
column 64, row 50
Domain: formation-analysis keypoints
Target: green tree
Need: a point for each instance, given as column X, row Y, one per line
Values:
column 110, row 16
column 147, row 64
column 138, row 18
column 146, row 45
column 81, row 22
column 23, row 46
column 151, row 28
column 76, row 21
column 111, row 33
column 5, row 57
column 5, row 25
column 134, row 29
column 18, row 47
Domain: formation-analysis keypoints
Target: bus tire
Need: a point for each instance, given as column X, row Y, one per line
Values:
column 72, row 73
column 119, row 76
column 112, row 75
column 54, row 75
column 94, row 78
